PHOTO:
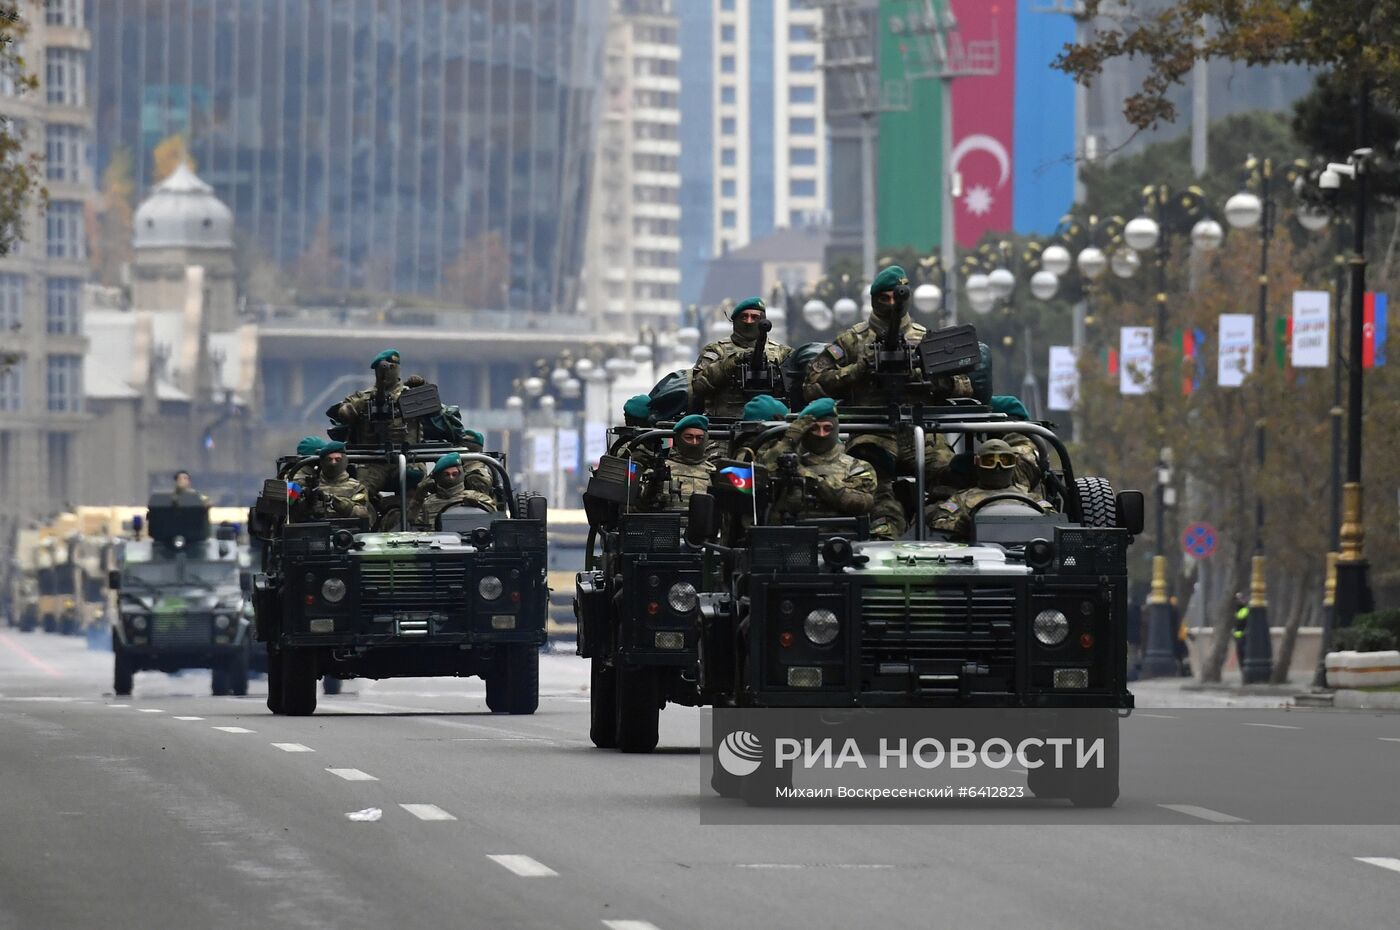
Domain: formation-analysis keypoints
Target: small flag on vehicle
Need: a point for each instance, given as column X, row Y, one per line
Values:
column 739, row 476
column 293, row 491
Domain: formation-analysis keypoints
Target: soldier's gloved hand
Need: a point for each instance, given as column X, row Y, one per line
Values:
column 414, row 381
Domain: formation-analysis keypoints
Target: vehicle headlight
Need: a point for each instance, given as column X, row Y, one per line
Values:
column 333, row 590
column 221, row 622
column 682, row 597
column 821, row 626
column 138, row 621
column 1051, row 627
column 489, row 587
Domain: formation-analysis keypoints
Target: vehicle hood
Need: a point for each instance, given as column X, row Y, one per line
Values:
column 401, row 545
column 914, row 560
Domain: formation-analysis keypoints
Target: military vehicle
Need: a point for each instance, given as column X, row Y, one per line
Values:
column 180, row 601
column 466, row 598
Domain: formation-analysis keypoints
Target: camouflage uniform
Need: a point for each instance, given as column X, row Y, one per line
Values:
column 429, row 501
column 670, row 494
column 335, row 498
column 954, row 515
column 715, row 380
column 843, row 486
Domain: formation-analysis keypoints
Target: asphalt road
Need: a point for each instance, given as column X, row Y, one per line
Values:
column 405, row 804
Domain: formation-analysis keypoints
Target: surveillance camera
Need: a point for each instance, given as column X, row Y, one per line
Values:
column 1329, row 180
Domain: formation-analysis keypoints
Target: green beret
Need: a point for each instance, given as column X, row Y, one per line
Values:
column 474, row 438
column 638, row 406
column 388, row 355
column 332, row 446
column 765, row 407
column 450, row 460
column 750, row 303
column 310, row 445
column 888, row 280
column 1010, row 405
column 823, row 408
column 693, row 421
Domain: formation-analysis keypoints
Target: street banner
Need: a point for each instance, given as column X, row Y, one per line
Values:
column 1311, row 313
column 595, row 441
column 1064, row 378
column 1135, row 360
column 1373, row 331
column 568, row 450
column 984, row 118
column 542, row 451
column 1236, row 358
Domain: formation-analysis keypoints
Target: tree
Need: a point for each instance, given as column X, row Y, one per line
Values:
column 168, row 154
column 1351, row 39
column 20, row 187
column 111, row 219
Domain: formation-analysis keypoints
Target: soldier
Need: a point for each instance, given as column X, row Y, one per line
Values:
column 765, row 408
column 715, row 382
column 667, row 487
column 811, row 473
column 637, row 411
column 333, row 493
column 184, row 491
column 445, row 487
column 996, row 465
column 476, row 476
column 307, row 445
column 373, row 419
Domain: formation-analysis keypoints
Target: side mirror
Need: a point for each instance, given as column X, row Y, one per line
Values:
column 114, row 580
column 702, row 521
column 1130, row 511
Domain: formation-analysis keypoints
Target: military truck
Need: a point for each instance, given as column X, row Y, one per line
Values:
column 1030, row 613
column 466, row 598
column 180, row 601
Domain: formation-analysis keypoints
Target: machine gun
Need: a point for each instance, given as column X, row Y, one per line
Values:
column 893, row 360
column 758, row 375
column 411, row 403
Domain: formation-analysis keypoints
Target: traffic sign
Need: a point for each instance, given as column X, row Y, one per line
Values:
column 1198, row 540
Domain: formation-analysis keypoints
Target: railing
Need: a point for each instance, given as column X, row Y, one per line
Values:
column 475, row 322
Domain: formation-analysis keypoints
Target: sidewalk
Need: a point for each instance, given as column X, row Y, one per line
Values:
column 1188, row 692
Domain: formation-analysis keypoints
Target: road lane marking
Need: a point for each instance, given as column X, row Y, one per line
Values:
column 1384, row 862
column 352, row 775
column 1156, row 716
column 187, row 718
column 1389, row 739
column 293, row 747
column 1271, row 726
column 150, row 710
column 368, row 815
column 30, row 657
column 233, row 730
column 526, row 867
column 427, row 812
column 814, row 865
column 629, row 925
column 1204, row 813
column 118, row 705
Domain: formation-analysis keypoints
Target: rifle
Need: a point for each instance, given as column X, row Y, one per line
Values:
column 757, row 376
column 894, row 359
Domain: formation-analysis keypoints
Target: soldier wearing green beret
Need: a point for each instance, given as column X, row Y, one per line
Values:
column 637, row 410
column 757, row 414
column 715, row 381
column 811, row 472
column 372, row 417
column 444, row 488
column 476, row 475
column 667, row 486
column 307, row 445
column 332, row 492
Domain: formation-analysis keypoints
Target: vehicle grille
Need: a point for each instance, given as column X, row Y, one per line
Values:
column 398, row 586
column 181, row 631
column 946, row 625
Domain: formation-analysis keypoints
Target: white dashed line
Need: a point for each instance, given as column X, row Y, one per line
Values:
column 352, row 775
column 427, row 812
column 1203, row 813
column 150, row 710
column 1389, row 739
column 1271, row 726
column 526, row 867
column 293, row 747
column 187, row 718
column 118, row 705
column 232, row 730
column 629, row 925
column 814, row 865
column 1384, row 862
column 1156, row 716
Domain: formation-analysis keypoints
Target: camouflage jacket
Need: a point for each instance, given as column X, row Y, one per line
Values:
column 428, row 502
column 716, row 379
column 826, row 484
column 844, row 370
column 344, row 497
column 662, row 494
column 954, row 515
column 356, row 411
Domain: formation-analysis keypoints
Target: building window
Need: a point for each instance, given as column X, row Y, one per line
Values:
column 728, row 188
column 59, row 465
column 800, row 32
column 12, row 386
column 63, row 306
column 65, row 230
column 63, row 13
column 65, row 152
column 727, row 94
column 11, row 303
column 65, row 383
column 729, row 219
column 802, row 187
column 802, row 126
column 63, row 76
column 650, row 130
column 727, row 5
column 654, row 67
column 727, row 126
column 726, row 33
column 656, row 99
column 802, row 93
column 802, row 64
column 726, row 64
column 649, row 162
column 727, row 157
column 802, row 157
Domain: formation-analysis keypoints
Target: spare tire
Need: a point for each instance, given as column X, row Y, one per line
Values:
column 1097, row 504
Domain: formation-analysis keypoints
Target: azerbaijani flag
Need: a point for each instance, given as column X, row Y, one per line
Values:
column 739, row 476
column 1375, row 323
column 294, row 491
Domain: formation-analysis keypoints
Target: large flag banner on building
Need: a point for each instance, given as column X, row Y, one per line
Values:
column 1135, row 360
column 1311, row 312
column 1236, row 358
column 1373, row 333
column 1064, row 378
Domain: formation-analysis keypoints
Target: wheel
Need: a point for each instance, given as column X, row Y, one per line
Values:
column 602, row 704
column 68, row 626
column 1097, row 504
column 236, row 675
column 274, row 681
column 331, row 685
column 522, row 679
column 725, row 785
column 1098, row 787
column 760, row 789
column 496, row 689
column 638, row 704
column 218, row 678
column 28, row 622
column 298, row 683
column 49, row 624
column 123, row 673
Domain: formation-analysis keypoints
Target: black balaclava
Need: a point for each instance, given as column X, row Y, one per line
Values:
column 451, row 484
column 332, row 471
column 820, row 445
column 691, row 455
column 386, row 376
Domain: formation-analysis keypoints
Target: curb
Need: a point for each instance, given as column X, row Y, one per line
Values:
column 1246, row 690
column 1366, row 700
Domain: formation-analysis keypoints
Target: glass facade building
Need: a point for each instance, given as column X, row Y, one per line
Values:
column 431, row 146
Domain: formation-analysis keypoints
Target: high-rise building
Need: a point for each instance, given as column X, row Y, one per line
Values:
column 431, row 146
column 41, row 279
column 632, row 264
column 753, row 125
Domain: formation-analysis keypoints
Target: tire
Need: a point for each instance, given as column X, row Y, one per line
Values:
column 274, row 681
column 298, row 683
column 123, row 673
column 496, row 689
column 724, row 784
column 1099, row 787
column 331, row 685
column 1097, row 504
column 50, row 624
column 638, row 708
column 68, row 626
column 237, row 673
column 602, row 704
column 761, row 788
column 522, row 679
column 28, row 623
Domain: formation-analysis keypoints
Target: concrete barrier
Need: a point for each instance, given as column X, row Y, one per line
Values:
column 1305, row 648
column 1363, row 669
